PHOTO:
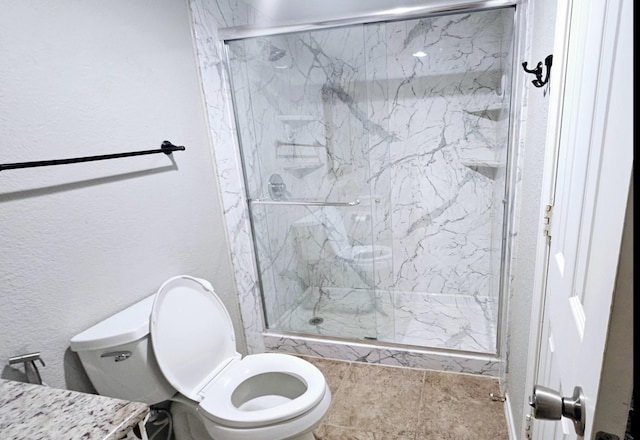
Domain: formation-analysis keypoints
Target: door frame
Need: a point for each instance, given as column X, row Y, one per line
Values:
column 548, row 184
column 563, row 20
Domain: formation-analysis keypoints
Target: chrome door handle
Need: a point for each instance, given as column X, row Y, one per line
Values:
column 547, row 404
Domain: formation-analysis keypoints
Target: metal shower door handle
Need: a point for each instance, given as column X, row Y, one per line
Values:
column 303, row 202
column 547, row 404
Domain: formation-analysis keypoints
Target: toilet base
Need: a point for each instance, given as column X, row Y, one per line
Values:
column 305, row 436
column 188, row 424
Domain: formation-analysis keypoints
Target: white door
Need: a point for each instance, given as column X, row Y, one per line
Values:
column 593, row 98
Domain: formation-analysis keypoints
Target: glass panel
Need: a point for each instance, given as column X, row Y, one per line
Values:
column 301, row 105
column 316, row 276
column 447, row 95
column 301, row 108
column 403, row 127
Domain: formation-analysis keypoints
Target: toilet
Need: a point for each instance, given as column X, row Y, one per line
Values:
column 178, row 345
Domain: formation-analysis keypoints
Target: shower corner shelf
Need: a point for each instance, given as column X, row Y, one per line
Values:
column 301, row 119
column 488, row 168
column 301, row 171
column 492, row 112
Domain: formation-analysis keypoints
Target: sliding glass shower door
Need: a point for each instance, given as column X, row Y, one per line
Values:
column 375, row 159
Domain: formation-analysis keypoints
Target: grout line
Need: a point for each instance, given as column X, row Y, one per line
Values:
column 346, row 373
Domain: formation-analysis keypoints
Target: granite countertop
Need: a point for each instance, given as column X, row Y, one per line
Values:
column 37, row 412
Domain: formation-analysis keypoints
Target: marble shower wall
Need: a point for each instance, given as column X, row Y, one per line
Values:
column 295, row 98
column 351, row 114
column 207, row 18
column 371, row 222
column 446, row 156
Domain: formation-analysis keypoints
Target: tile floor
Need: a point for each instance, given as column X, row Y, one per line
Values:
column 374, row 402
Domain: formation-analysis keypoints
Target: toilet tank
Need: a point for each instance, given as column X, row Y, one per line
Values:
column 117, row 355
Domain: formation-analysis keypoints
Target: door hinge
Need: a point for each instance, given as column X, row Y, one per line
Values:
column 546, row 221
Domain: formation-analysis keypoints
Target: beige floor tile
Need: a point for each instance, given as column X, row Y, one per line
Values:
column 377, row 399
column 334, row 371
column 458, row 406
column 328, row 432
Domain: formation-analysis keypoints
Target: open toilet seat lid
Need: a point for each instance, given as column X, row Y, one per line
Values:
column 191, row 333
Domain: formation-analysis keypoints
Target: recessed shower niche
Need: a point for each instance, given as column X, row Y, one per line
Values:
column 392, row 141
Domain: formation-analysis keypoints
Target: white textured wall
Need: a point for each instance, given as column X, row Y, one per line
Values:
column 80, row 242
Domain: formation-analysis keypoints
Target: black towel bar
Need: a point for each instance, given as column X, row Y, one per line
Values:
column 166, row 148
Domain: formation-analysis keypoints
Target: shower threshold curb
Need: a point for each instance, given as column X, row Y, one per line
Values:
column 470, row 363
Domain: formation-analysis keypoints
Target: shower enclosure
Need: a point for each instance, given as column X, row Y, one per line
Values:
column 376, row 160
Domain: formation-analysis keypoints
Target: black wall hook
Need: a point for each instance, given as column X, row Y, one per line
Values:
column 539, row 82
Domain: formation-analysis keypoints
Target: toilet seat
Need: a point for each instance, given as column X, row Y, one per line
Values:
column 191, row 333
column 194, row 344
column 288, row 387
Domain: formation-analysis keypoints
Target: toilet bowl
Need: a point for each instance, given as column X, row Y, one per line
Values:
column 179, row 345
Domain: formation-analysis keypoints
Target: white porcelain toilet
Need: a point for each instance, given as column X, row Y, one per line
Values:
column 179, row 345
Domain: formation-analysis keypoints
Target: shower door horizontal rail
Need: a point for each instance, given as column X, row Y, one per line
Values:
column 373, row 15
column 302, row 202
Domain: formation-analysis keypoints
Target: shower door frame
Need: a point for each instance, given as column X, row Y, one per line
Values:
column 260, row 338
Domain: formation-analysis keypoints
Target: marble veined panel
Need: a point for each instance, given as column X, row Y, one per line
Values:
column 442, row 210
column 341, row 312
column 459, row 322
column 421, row 141
column 306, row 112
column 206, row 18
column 455, row 322
column 378, row 354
